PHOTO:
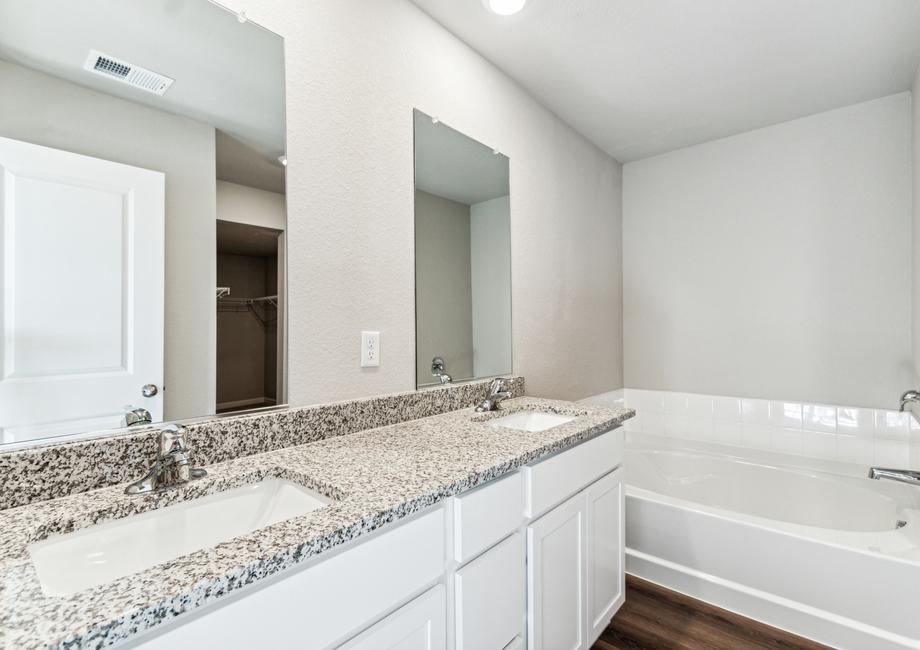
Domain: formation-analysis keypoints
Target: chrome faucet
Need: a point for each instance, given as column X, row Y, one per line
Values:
column 498, row 391
column 902, row 475
column 910, row 397
column 137, row 417
column 437, row 370
column 172, row 466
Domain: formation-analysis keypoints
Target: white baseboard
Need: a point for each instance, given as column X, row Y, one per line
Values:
column 242, row 403
column 803, row 620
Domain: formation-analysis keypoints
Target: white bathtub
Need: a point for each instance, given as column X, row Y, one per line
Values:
column 829, row 556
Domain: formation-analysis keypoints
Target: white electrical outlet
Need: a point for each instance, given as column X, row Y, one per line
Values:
column 370, row 349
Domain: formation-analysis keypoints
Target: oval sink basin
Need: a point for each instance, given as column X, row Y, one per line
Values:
column 99, row 554
column 532, row 421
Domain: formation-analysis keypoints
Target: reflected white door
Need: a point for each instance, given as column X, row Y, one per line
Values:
column 82, row 291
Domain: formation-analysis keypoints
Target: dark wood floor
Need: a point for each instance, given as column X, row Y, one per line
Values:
column 655, row 618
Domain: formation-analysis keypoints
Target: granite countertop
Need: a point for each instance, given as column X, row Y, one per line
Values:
column 375, row 477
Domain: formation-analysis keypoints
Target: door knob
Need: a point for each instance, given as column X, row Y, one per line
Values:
column 149, row 390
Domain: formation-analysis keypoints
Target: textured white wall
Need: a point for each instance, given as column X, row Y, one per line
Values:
column 243, row 204
column 490, row 259
column 775, row 263
column 355, row 70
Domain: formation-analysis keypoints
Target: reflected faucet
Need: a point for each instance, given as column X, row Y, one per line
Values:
column 437, row 370
column 910, row 397
column 137, row 416
column 172, row 466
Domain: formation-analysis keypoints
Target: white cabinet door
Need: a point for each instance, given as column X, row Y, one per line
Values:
column 555, row 578
column 418, row 625
column 81, row 291
column 490, row 597
column 605, row 551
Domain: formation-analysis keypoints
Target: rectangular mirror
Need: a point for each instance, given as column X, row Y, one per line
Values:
column 462, row 257
column 142, row 147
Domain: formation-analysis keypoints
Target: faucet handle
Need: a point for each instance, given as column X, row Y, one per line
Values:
column 173, row 439
column 172, row 466
column 498, row 385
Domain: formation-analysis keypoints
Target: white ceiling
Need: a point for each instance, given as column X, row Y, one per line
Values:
column 641, row 77
column 228, row 74
column 244, row 165
column 456, row 167
column 244, row 239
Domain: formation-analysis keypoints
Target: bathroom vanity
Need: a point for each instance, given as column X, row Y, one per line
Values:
column 535, row 554
column 459, row 530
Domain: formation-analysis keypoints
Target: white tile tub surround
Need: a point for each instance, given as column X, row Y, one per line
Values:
column 861, row 436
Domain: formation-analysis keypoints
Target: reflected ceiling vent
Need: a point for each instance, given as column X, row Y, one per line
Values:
column 133, row 75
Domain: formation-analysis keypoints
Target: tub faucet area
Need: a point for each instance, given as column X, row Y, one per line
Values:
column 902, row 475
column 908, row 399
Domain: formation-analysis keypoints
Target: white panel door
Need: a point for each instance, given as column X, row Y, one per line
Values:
column 82, row 291
column 419, row 625
column 555, row 578
column 605, row 551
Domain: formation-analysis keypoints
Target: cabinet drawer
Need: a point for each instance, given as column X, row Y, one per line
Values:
column 487, row 514
column 551, row 481
column 490, row 598
column 418, row 625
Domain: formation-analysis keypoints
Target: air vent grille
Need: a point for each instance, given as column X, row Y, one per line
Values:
column 104, row 64
column 133, row 75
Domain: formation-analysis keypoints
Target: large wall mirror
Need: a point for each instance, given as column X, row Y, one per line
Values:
column 142, row 179
column 462, row 256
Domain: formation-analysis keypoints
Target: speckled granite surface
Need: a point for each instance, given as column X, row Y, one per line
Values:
column 376, row 476
column 54, row 470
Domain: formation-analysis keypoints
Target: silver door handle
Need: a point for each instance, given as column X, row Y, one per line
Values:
column 149, row 390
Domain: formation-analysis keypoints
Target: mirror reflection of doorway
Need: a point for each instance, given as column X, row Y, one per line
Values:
column 249, row 302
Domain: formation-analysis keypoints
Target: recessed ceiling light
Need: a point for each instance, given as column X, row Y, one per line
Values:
column 504, row 7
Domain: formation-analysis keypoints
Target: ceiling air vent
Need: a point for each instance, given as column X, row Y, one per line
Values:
column 133, row 75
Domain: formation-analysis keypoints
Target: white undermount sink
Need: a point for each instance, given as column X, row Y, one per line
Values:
column 100, row 554
column 531, row 421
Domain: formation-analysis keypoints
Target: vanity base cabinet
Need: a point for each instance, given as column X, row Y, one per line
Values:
column 534, row 558
column 575, row 581
column 418, row 625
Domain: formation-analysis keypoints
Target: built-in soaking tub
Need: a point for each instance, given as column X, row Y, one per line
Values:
column 828, row 555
